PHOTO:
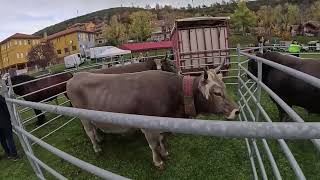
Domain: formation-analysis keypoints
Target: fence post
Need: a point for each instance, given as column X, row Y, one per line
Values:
column 258, row 93
column 15, row 119
column 239, row 69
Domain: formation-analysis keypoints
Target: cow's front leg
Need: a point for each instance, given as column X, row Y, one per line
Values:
column 91, row 132
column 284, row 117
column 154, row 144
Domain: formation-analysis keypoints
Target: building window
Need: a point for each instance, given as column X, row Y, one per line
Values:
column 25, row 42
column 21, row 55
column 66, row 50
column 20, row 42
column 74, row 48
column 58, row 40
column 59, row 51
column 15, row 42
column 18, row 55
column 29, row 42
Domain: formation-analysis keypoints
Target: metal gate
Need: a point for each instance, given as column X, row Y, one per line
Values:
column 254, row 125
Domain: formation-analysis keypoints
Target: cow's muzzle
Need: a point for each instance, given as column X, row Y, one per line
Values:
column 233, row 114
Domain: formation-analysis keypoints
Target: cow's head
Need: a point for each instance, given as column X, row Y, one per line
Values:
column 211, row 96
column 168, row 65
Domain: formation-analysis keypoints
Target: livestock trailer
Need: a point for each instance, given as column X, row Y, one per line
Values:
column 199, row 42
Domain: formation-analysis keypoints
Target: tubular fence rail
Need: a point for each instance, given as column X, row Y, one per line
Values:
column 254, row 122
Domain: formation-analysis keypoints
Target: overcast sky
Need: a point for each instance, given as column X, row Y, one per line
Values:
column 29, row 16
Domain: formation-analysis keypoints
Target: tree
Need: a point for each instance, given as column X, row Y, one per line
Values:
column 158, row 7
column 315, row 11
column 286, row 15
column 294, row 14
column 140, row 27
column 266, row 18
column 243, row 18
column 189, row 7
column 42, row 55
column 148, row 6
column 115, row 32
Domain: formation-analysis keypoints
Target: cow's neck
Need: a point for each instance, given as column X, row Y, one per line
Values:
column 200, row 102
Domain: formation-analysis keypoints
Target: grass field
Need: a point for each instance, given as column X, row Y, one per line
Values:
column 191, row 157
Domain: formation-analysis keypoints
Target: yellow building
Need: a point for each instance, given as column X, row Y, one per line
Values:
column 14, row 50
column 71, row 41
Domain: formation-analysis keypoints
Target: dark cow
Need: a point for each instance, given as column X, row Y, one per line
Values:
column 154, row 93
column 165, row 64
column 292, row 90
column 37, row 85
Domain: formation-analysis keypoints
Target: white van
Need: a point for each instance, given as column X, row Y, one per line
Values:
column 73, row 60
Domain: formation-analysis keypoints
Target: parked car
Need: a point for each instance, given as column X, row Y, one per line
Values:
column 304, row 48
column 314, row 45
column 73, row 60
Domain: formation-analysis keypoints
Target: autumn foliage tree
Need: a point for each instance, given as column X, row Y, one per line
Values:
column 42, row 55
column 115, row 32
column 140, row 27
column 243, row 18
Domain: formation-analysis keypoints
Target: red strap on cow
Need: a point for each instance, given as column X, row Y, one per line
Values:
column 189, row 107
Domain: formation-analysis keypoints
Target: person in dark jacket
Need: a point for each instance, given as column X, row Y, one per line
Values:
column 6, row 135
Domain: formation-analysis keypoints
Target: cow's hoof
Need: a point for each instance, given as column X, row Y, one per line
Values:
column 165, row 155
column 99, row 139
column 160, row 166
column 97, row 149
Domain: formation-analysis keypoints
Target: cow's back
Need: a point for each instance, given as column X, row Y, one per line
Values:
column 154, row 93
column 130, row 68
column 293, row 90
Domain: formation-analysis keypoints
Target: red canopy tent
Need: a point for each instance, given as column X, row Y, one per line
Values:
column 147, row 46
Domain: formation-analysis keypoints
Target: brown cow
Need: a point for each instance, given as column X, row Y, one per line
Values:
column 154, row 93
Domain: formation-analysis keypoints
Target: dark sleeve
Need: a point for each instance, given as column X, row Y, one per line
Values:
column 5, row 121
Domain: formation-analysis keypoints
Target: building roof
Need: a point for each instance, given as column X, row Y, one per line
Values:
column 147, row 46
column 314, row 24
column 67, row 31
column 20, row 36
column 202, row 19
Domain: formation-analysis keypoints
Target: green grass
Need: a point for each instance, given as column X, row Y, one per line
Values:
column 191, row 157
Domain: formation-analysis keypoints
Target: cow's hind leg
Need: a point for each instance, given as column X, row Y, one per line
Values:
column 163, row 146
column 41, row 118
column 98, row 136
column 91, row 132
column 154, row 144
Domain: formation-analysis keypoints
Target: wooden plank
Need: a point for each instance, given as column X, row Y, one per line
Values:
column 201, row 46
column 194, row 47
column 208, row 43
column 185, row 43
column 215, row 44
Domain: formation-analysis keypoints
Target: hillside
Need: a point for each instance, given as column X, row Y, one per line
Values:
column 224, row 9
column 96, row 17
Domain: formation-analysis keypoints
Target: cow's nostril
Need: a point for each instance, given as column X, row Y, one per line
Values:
column 237, row 112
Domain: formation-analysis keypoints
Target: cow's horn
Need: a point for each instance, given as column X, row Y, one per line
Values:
column 165, row 58
column 205, row 74
column 217, row 69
